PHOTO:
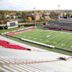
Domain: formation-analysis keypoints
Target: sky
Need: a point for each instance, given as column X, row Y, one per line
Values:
column 35, row 4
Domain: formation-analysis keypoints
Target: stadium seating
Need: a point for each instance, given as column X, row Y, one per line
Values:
column 6, row 44
column 59, row 25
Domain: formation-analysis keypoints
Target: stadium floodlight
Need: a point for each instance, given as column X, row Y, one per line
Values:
column 58, row 5
column 34, row 15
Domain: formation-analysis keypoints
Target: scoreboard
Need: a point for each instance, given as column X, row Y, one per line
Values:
column 12, row 24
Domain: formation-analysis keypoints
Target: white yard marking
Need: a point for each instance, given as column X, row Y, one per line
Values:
column 48, row 36
column 40, row 39
column 62, row 44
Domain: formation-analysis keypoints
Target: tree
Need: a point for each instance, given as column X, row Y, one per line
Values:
column 53, row 15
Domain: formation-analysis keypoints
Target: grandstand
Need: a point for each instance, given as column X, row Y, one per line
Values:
column 36, row 60
column 59, row 25
column 12, row 46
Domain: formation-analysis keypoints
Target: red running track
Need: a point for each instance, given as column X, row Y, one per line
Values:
column 7, row 44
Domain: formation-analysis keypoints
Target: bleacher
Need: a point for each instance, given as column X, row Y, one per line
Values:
column 26, row 61
column 36, row 60
column 7, row 44
column 59, row 25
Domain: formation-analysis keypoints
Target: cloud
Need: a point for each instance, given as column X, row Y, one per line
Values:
column 37, row 4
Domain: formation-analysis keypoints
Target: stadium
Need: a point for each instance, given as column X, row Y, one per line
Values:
column 43, row 47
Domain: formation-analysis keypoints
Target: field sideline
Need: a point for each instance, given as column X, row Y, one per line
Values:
column 59, row 39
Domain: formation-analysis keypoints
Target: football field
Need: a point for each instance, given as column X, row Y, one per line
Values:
column 58, row 39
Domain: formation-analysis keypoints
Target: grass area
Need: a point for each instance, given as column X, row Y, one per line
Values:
column 56, row 38
column 42, row 47
column 59, row 39
column 9, row 30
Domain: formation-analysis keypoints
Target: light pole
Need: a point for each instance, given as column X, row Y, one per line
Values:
column 58, row 5
column 34, row 16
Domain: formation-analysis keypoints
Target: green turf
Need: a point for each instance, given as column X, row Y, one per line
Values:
column 59, row 39
column 39, row 46
column 9, row 30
